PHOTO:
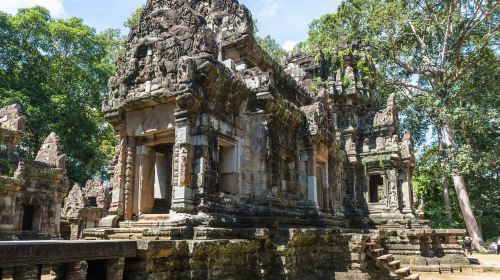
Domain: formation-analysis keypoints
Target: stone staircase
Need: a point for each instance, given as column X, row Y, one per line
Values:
column 386, row 261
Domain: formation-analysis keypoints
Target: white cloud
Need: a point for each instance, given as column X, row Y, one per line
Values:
column 289, row 45
column 56, row 7
column 270, row 7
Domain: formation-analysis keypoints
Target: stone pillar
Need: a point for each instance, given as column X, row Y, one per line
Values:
column 114, row 269
column 303, row 177
column 406, row 192
column 76, row 270
column 183, row 191
column 386, row 190
column 129, row 179
column 145, row 159
column 118, row 180
column 25, row 273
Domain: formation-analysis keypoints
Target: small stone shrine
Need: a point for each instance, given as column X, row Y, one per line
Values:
column 84, row 208
column 31, row 192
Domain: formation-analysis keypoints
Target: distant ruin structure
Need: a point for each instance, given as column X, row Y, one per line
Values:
column 31, row 192
column 84, row 208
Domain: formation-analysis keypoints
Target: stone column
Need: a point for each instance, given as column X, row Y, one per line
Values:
column 145, row 159
column 76, row 270
column 129, row 179
column 406, row 192
column 114, row 269
column 118, row 180
column 303, row 177
column 183, row 191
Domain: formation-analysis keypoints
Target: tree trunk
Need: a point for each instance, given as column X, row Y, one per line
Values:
column 463, row 196
column 444, row 177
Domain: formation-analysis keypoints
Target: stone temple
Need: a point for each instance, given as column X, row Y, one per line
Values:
column 231, row 165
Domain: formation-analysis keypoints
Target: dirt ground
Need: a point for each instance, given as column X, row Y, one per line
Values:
column 490, row 263
column 461, row 276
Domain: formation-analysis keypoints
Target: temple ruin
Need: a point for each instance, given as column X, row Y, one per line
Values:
column 31, row 191
column 84, row 208
column 231, row 165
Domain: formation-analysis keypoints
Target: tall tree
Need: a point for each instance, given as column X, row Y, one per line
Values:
column 272, row 47
column 426, row 49
column 57, row 69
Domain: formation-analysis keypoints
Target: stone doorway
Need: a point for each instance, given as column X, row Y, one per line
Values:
column 162, row 178
column 28, row 217
column 376, row 184
column 96, row 270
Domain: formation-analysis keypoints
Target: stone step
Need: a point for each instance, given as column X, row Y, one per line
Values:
column 385, row 258
column 405, row 271
column 395, row 264
column 413, row 277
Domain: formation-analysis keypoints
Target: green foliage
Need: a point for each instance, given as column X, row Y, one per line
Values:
column 57, row 69
column 134, row 18
column 427, row 184
column 6, row 168
column 272, row 47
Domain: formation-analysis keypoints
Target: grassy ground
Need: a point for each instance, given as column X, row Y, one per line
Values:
column 492, row 261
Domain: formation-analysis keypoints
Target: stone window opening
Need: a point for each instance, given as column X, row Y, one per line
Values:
column 163, row 156
column 376, row 184
column 92, row 201
column 227, row 167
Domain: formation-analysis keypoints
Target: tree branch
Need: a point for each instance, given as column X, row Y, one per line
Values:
column 408, row 86
column 447, row 34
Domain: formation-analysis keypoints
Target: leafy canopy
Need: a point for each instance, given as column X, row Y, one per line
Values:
column 57, row 69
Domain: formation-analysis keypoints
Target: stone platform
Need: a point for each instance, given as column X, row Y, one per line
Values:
column 24, row 253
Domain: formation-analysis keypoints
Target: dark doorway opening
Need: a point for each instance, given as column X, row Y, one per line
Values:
column 28, row 217
column 163, row 178
column 376, row 184
column 92, row 201
column 96, row 270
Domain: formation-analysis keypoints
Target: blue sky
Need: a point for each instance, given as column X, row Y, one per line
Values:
column 285, row 20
